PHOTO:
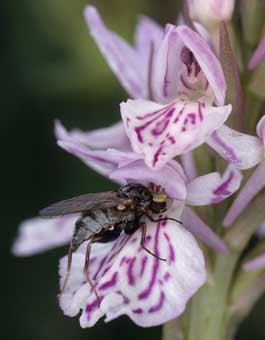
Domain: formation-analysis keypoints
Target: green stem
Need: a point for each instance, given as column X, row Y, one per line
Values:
column 208, row 307
column 171, row 331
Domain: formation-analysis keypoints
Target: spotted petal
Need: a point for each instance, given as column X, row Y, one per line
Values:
column 243, row 150
column 213, row 188
column 161, row 132
column 121, row 57
column 132, row 282
column 37, row 235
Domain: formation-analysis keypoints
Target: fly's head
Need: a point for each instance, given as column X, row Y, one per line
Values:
column 159, row 199
column 136, row 196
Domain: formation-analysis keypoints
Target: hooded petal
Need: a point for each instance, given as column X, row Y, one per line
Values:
column 171, row 177
column 213, row 188
column 162, row 132
column 121, row 57
column 167, row 67
column 37, row 235
column 254, row 185
column 202, row 231
column 258, row 56
column 132, row 282
column 113, row 136
column 210, row 65
column 243, row 150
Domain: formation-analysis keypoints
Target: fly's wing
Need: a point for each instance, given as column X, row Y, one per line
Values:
column 78, row 204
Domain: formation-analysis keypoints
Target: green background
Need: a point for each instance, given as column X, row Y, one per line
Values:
column 51, row 68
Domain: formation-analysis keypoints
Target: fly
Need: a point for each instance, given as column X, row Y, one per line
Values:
column 104, row 216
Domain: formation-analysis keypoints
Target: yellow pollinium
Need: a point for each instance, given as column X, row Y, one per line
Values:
column 159, row 198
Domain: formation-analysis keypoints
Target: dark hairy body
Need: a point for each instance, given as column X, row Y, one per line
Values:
column 104, row 216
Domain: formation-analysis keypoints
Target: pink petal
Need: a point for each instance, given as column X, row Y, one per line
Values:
column 167, row 67
column 172, row 179
column 256, row 263
column 254, row 185
column 258, row 56
column 261, row 230
column 214, row 187
column 188, row 163
column 261, row 129
column 37, row 235
column 132, row 282
column 113, row 136
column 243, row 150
column 147, row 32
column 160, row 132
column 121, row 57
column 99, row 160
column 207, row 60
column 202, row 231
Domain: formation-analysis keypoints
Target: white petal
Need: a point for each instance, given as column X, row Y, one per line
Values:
column 244, row 151
column 37, row 235
column 213, row 187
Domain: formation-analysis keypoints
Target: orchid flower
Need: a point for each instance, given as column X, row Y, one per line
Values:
column 127, row 279
column 178, row 80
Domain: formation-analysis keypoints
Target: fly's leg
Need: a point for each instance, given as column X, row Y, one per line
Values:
column 162, row 219
column 143, row 225
column 85, row 270
column 69, row 263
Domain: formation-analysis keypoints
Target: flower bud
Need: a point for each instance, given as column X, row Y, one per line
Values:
column 211, row 12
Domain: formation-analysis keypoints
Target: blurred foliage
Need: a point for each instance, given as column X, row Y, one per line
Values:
column 51, row 68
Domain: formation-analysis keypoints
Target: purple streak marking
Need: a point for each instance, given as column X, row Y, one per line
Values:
column 171, row 249
column 159, row 305
column 146, row 292
column 200, row 110
column 143, row 265
column 110, row 283
column 226, row 149
column 130, row 275
column 223, row 188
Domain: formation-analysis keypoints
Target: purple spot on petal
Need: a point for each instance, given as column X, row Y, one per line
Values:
column 137, row 311
column 166, row 276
